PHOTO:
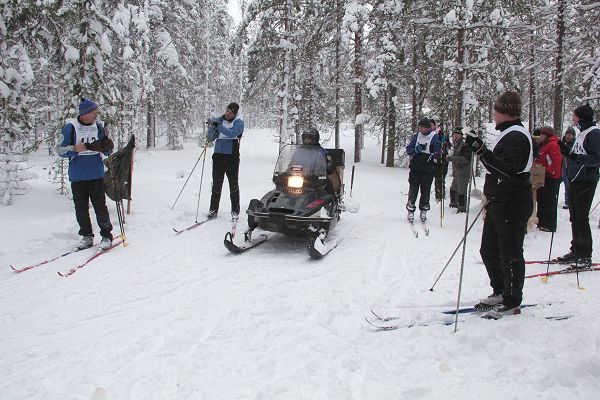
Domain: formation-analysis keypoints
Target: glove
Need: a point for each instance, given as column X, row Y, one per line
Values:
column 475, row 143
column 212, row 122
column 419, row 148
column 565, row 151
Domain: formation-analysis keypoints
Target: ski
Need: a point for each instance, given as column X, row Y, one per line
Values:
column 317, row 249
column 425, row 227
column 569, row 270
column 414, row 228
column 464, row 310
column 555, row 262
column 96, row 255
column 195, row 225
column 228, row 242
column 18, row 270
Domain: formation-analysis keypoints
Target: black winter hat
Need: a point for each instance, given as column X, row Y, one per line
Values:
column 458, row 130
column 509, row 103
column 424, row 122
column 234, row 107
column 585, row 113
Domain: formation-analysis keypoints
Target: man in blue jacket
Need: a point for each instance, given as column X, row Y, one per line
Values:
column 226, row 131
column 424, row 150
column 82, row 141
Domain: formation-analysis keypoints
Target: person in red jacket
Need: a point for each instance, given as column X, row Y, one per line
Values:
column 547, row 196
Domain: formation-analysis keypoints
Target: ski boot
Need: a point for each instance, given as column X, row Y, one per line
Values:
column 85, row 243
column 105, row 243
column 500, row 310
column 212, row 214
column 423, row 215
column 411, row 216
column 567, row 258
column 489, row 302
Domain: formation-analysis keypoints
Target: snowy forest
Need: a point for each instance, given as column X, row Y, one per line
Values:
column 159, row 68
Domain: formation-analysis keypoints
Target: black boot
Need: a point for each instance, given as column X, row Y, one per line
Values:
column 462, row 204
column 452, row 199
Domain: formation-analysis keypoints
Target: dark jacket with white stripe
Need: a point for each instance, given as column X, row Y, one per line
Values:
column 505, row 180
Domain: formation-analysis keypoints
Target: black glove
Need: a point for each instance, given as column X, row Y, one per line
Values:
column 475, row 143
column 565, row 150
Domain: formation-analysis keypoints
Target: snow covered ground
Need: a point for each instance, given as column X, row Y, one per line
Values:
column 179, row 317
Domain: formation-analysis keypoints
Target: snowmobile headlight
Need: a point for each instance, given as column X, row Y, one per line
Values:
column 295, row 181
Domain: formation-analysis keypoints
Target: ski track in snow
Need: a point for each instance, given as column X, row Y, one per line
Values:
column 179, row 317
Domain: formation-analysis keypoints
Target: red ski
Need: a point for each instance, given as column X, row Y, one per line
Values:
column 565, row 271
column 96, row 255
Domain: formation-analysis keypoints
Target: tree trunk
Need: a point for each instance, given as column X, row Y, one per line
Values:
column 338, row 55
column 460, row 60
column 358, row 38
column 150, row 123
column 284, row 93
column 391, row 142
column 559, row 72
column 384, row 123
column 532, row 87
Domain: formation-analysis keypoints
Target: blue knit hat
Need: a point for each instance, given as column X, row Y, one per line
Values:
column 86, row 106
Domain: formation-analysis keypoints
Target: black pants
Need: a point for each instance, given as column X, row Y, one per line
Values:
column 225, row 164
column 547, row 203
column 581, row 195
column 83, row 192
column 502, row 247
column 419, row 179
column 441, row 170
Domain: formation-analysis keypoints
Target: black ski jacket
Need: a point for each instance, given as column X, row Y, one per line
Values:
column 504, row 180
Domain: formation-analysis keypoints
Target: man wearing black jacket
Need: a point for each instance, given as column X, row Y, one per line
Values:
column 583, row 160
column 509, row 204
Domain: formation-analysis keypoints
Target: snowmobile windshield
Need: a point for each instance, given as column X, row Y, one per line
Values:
column 304, row 160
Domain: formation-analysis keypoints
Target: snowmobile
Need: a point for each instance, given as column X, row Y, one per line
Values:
column 305, row 202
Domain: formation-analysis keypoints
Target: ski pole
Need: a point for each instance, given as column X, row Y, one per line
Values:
column 188, row 178
column 458, row 246
column 545, row 278
column 201, row 179
column 352, row 180
column 462, row 261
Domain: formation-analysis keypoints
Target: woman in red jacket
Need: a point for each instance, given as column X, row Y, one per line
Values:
column 547, row 196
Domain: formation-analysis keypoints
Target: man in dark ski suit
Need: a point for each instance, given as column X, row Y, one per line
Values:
column 510, row 204
column 461, row 171
column 424, row 150
column 226, row 131
column 583, row 160
column 82, row 141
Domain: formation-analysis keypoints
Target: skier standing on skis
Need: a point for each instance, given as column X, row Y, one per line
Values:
column 547, row 195
column 441, row 167
column 424, row 150
column 82, row 141
column 461, row 171
column 226, row 131
column 510, row 204
column 583, row 160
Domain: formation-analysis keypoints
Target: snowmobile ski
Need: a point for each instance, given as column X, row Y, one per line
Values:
column 317, row 249
column 228, row 241
column 195, row 225
column 98, row 253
